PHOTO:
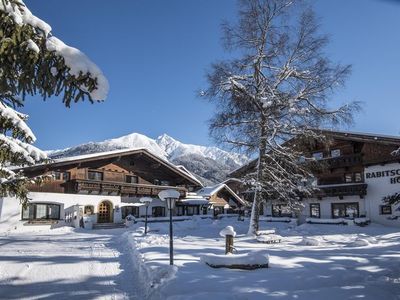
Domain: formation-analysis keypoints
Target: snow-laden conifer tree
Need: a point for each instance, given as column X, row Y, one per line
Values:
column 276, row 87
column 33, row 62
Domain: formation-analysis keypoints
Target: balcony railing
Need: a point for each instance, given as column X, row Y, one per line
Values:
column 340, row 190
column 343, row 161
column 116, row 188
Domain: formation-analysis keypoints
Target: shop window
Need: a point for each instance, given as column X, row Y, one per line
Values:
column 315, row 210
column 93, row 175
column 131, row 179
column 385, row 209
column 318, row 155
column 335, row 153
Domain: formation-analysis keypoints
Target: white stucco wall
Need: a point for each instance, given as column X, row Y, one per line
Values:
column 379, row 187
column 326, row 206
column 10, row 208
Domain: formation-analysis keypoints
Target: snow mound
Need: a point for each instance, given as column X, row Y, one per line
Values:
column 266, row 232
column 308, row 241
column 360, row 242
column 271, row 238
column 251, row 260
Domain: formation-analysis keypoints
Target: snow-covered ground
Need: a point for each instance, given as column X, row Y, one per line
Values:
column 312, row 262
column 64, row 264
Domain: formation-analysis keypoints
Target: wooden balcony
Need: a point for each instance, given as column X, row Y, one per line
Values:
column 340, row 190
column 82, row 186
column 343, row 161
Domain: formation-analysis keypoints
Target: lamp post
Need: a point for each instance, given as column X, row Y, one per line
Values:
column 170, row 196
column 146, row 201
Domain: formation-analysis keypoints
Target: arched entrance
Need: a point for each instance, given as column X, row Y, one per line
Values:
column 105, row 212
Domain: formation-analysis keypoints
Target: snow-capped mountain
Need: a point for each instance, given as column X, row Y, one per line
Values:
column 209, row 164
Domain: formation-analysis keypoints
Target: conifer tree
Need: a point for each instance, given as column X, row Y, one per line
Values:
column 33, row 62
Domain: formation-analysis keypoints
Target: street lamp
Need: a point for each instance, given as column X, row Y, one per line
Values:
column 146, row 201
column 170, row 196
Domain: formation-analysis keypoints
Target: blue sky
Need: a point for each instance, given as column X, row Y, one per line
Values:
column 155, row 54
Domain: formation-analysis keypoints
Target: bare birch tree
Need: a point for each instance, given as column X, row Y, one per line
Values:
column 277, row 87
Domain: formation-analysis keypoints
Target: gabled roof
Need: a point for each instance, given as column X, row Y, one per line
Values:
column 343, row 135
column 209, row 191
column 118, row 154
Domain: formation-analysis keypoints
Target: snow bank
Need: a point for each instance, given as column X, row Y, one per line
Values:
column 271, row 238
column 266, row 232
column 325, row 221
column 151, row 278
column 250, row 260
column 309, row 241
column 277, row 219
column 359, row 243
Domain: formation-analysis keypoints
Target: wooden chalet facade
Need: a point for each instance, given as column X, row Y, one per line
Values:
column 104, row 186
column 346, row 182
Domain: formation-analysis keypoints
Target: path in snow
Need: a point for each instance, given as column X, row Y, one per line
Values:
column 62, row 264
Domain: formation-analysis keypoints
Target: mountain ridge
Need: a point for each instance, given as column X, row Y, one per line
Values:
column 210, row 164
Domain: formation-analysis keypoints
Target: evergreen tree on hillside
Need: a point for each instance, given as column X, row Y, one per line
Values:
column 276, row 87
column 33, row 62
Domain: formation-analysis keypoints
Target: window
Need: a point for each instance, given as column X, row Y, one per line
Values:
column 335, row 153
column 345, row 210
column 158, row 211
column 93, row 175
column 66, row 176
column 89, row 210
column 165, row 182
column 192, row 210
column 358, row 177
column 42, row 211
column 57, row 175
column 315, row 210
column 156, row 182
column 318, row 155
column 131, row 179
column 129, row 210
column 280, row 210
column 386, row 209
column 348, row 177
column 179, row 210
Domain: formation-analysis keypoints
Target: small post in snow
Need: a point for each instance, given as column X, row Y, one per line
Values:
column 229, row 233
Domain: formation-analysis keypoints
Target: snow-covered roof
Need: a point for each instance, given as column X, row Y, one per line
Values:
column 209, row 191
column 194, row 201
column 123, row 152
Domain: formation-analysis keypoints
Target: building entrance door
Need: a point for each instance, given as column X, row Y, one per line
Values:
column 104, row 215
